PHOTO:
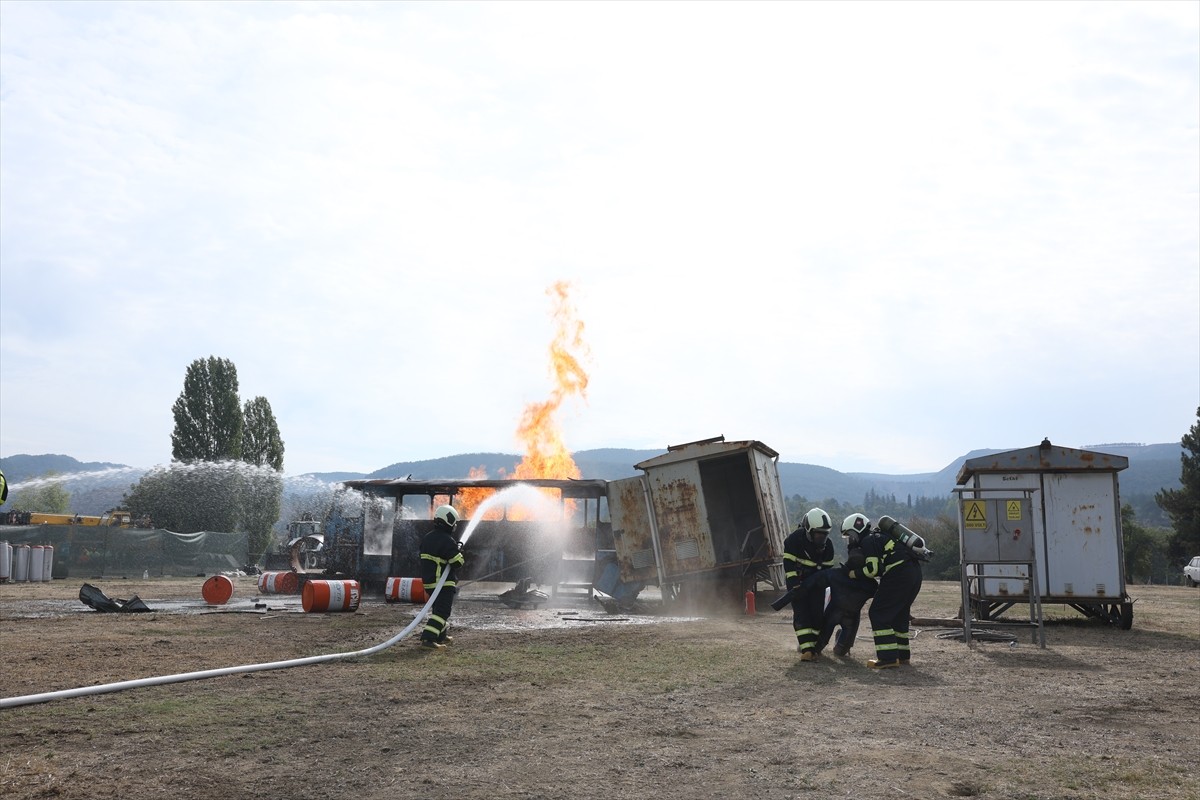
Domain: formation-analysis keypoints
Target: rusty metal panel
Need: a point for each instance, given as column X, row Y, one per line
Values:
column 633, row 536
column 1043, row 458
column 684, row 538
column 771, row 502
column 707, row 448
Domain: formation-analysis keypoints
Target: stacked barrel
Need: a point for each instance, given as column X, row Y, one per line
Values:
column 26, row 563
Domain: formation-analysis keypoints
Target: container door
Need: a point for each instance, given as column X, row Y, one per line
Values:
column 633, row 536
column 1083, row 530
column 685, row 540
column 772, row 505
column 1009, row 580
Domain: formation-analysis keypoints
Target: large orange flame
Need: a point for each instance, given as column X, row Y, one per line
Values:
column 546, row 456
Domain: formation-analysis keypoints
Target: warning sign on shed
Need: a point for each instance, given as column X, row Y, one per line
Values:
column 974, row 515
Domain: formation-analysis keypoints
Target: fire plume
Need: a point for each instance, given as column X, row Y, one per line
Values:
column 546, row 455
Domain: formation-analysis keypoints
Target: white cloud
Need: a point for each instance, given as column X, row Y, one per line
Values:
column 864, row 233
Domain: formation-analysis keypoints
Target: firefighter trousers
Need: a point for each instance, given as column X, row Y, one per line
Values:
column 808, row 611
column 891, row 610
column 439, row 616
column 846, row 600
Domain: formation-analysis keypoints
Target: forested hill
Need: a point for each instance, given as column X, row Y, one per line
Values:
column 1151, row 468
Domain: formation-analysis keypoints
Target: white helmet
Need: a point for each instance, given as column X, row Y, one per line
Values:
column 855, row 526
column 446, row 517
column 856, row 522
column 816, row 521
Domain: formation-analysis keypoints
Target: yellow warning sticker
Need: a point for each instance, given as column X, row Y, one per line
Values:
column 974, row 514
column 1014, row 509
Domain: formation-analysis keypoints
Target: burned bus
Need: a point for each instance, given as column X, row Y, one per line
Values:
column 705, row 517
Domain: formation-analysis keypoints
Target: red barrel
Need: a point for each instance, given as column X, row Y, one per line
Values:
column 278, row 583
column 217, row 590
column 409, row 590
column 330, row 596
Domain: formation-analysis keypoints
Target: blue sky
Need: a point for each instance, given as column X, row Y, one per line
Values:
column 873, row 236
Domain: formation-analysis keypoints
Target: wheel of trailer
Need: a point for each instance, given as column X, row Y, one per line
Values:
column 1126, row 619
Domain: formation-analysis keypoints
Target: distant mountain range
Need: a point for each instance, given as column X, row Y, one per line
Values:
column 1152, row 467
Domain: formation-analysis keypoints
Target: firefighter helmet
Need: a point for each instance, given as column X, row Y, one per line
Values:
column 854, row 527
column 445, row 517
column 816, row 521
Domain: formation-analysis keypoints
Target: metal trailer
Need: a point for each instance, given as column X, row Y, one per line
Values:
column 1076, row 527
column 706, row 517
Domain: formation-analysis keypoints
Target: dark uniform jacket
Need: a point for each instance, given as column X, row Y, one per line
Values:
column 802, row 558
column 878, row 555
column 440, row 551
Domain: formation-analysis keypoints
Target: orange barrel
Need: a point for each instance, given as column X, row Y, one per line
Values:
column 217, row 590
column 278, row 583
column 410, row 590
column 37, row 562
column 48, row 564
column 330, row 596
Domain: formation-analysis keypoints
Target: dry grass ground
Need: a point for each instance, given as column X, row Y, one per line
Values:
column 566, row 702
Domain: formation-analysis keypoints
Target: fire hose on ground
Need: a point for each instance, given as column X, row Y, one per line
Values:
column 104, row 688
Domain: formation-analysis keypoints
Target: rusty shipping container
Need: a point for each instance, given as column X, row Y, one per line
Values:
column 704, row 510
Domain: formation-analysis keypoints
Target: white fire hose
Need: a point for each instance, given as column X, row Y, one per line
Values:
column 104, row 688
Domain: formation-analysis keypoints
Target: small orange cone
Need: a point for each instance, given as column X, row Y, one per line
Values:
column 750, row 603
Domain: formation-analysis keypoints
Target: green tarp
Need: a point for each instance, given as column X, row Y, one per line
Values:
column 99, row 551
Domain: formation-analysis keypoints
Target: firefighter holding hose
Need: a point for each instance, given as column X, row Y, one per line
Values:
column 440, row 552
column 806, row 551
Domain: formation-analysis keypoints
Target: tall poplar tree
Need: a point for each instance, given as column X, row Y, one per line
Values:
column 230, row 462
column 208, row 413
column 262, row 491
column 262, row 445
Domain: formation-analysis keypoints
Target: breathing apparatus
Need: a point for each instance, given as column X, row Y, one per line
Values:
column 905, row 536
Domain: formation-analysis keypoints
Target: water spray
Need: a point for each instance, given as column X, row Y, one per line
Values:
column 105, row 688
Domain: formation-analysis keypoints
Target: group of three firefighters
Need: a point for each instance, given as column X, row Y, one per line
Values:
column 880, row 567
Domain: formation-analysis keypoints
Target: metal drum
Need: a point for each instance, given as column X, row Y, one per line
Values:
column 331, row 596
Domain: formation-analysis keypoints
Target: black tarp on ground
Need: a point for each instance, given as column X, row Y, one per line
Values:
column 91, row 596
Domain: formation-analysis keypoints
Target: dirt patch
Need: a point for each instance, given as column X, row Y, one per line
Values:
column 568, row 702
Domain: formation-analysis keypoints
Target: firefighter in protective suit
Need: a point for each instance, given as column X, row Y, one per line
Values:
column 898, row 568
column 440, row 552
column 806, row 551
column 849, row 589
